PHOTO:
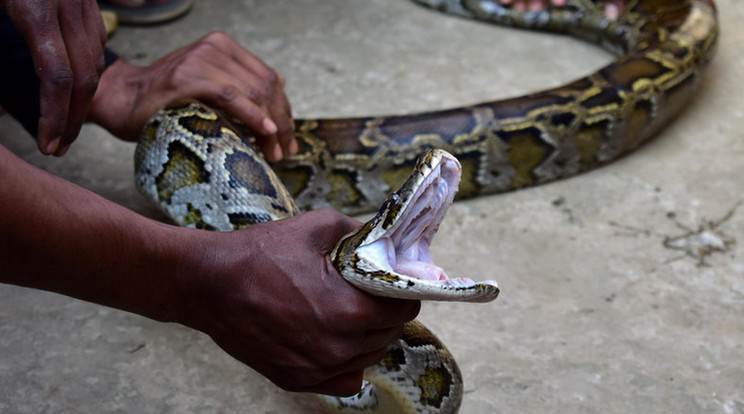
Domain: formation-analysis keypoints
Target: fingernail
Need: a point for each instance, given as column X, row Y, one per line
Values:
column 612, row 11
column 270, row 126
column 52, row 146
column 293, row 147
column 277, row 153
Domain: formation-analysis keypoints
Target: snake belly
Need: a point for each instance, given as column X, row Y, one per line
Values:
column 197, row 166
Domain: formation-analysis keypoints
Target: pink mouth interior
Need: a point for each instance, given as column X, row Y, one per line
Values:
column 405, row 247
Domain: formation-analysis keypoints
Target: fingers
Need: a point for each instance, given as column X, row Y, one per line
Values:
column 348, row 381
column 85, row 54
column 613, row 8
column 215, row 70
column 94, row 26
column 253, row 92
column 377, row 340
column 279, row 317
column 55, row 84
column 272, row 85
column 334, row 370
column 67, row 51
column 334, row 226
column 537, row 5
column 343, row 385
column 393, row 313
column 534, row 5
column 41, row 30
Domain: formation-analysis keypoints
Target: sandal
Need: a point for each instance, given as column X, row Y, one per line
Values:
column 110, row 21
column 152, row 12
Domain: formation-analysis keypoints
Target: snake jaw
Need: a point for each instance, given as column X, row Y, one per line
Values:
column 389, row 255
column 407, row 239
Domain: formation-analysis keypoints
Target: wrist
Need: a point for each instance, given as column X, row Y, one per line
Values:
column 196, row 264
column 179, row 262
column 115, row 98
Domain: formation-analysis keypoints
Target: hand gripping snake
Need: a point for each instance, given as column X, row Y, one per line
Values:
column 200, row 167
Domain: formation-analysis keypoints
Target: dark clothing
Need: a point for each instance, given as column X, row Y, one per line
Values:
column 19, row 85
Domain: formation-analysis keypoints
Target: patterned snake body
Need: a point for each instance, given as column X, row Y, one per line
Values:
column 197, row 167
column 352, row 164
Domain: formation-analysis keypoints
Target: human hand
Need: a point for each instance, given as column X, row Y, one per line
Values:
column 271, row 298
column 66, row 39
column 612, row 7
column 215, row 70
column 534, row 5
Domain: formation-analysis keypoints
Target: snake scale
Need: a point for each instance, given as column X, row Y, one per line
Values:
column 200, row 168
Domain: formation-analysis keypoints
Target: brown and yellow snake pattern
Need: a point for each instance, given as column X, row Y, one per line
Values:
column 352, row 164
column 198, row 168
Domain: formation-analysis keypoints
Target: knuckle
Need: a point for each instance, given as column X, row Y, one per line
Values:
column 20, row 10
column 266, row 91
column 272, row 78
column 183, row 71
column 88, row 84
column 59, row 77
column 338, row 354
column 254, row 96
column 286, row 130
column 216, row 36
column 271, row 85
column 201, row 48
column 228, row 94
column 356, row 314
column 214, row 41
column 253, row 116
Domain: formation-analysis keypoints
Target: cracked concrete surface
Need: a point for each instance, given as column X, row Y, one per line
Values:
column 593, row 316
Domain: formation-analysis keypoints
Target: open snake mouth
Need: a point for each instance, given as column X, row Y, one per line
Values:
column 390, row 256
column 404, row 247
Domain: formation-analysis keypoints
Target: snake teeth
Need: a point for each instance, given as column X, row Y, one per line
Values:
column 392, row 249
column 404, row 248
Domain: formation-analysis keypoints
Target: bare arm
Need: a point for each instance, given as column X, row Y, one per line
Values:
column 267, row 295
column 60, row 237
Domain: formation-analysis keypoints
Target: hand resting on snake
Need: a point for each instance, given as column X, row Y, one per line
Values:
column 202, row 171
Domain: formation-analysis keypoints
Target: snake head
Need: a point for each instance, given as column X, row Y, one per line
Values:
column 389, row 255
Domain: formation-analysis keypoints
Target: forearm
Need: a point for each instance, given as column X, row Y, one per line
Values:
column 262, row 293
column 60, row 237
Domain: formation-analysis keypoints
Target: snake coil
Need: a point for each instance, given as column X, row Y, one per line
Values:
column 202, row 172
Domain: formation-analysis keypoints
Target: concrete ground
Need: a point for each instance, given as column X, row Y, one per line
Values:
column 596, row 313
